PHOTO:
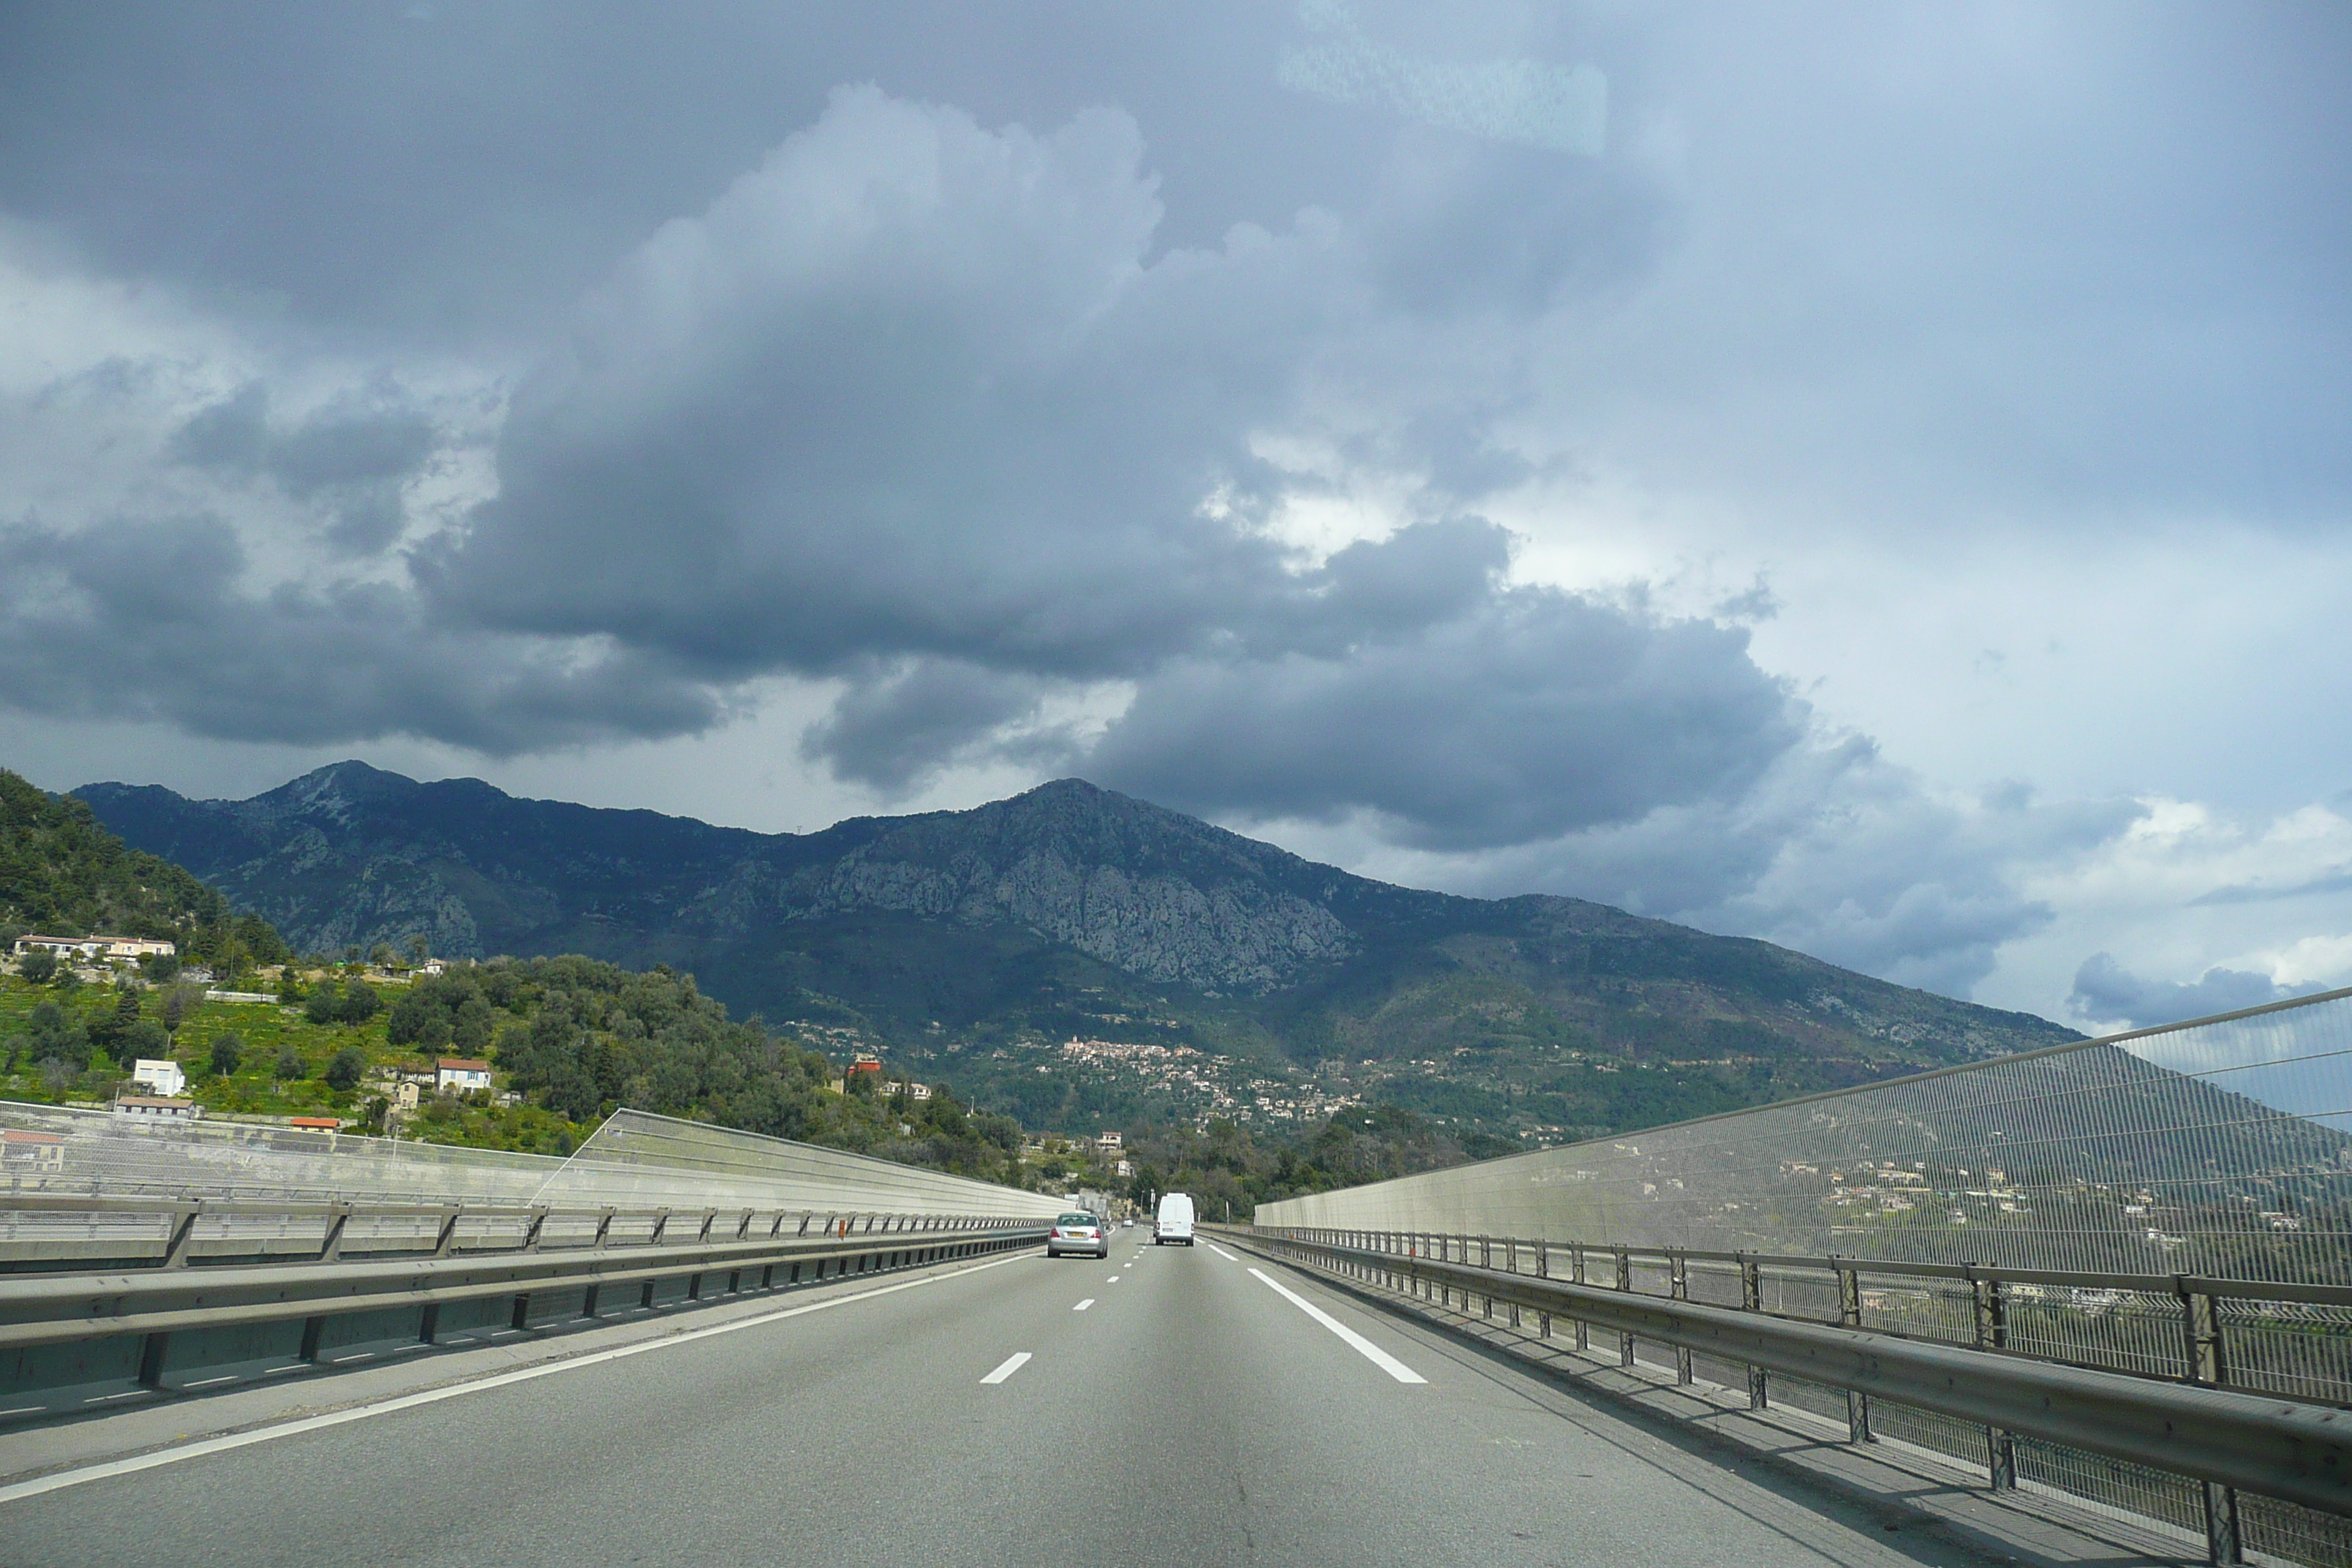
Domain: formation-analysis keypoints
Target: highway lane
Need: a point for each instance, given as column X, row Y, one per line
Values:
column 1189, row 1413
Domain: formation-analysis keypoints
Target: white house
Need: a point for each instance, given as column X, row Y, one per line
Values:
column 460, row 1075
column 91, row 948
column 155, row 1076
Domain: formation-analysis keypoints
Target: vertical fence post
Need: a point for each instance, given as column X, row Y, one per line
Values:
column 1752, row 1299
column 2209, row 1363
column 1625, row 1283
column 1678, row 1265
column 1992, row 1333
column 1857, row 1405
column 1576, row 1277
column 1543, row 1272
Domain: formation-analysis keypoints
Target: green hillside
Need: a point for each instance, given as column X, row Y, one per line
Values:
column 62, row 874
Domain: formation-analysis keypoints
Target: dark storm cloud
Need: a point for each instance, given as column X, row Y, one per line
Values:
column 352, row 458
column 1531, row 714
column 891, row 730
column 2106, row 991
column 147, row 620
column 916, row 404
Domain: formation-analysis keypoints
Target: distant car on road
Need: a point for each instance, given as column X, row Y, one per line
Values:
column 1173, row 1223
column 1076, row 1232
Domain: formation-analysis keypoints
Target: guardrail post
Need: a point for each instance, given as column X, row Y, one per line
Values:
column 449, row 1236
column 1624, row 1283
column 1857, row 1405
column 152, row 1349
column 429, row 1323
column 1992, row 1333
column 1752, row 1299
column 661, row 1224
column 1576, row 1277
column 604, row 1229
column 313, row 1330
column 1543, row 1272
column 2209, row 1363
column 1678, row 1266
column 530, row 1236
column 330, row 1249
column 522, row 1318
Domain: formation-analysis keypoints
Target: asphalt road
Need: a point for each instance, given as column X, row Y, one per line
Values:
column 1168, row 1406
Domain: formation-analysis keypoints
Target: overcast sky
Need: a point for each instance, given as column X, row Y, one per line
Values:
column 1873, row 477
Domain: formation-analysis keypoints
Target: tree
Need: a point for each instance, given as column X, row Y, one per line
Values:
column 178, row 1003
column 381, row 955
column 56, row 1035
column 325, row 1003
column 229, row 1050
column 418, row 1019
column 290, row 987
column 360, row 1003
column 109, row 1030
column 419, row 950
column 343, row 1072
column 144, row 1039
column 290, row 1062
column 40, row 966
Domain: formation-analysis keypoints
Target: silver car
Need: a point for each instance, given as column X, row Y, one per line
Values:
column 1083, row 1233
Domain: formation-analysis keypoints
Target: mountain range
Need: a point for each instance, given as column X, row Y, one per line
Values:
column 1072, row 954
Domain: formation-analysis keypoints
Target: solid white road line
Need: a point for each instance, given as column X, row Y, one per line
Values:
column 1222, row 1253
column 1371, row 1352
column 1008, row 1366
column 1084, row 1305
column 137, row 1462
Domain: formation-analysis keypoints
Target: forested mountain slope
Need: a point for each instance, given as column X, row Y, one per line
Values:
column 1226, row 973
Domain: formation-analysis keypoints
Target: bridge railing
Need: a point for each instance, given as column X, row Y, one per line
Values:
column 2195, row 1420
column 2168, row 1203
column 139, row 1258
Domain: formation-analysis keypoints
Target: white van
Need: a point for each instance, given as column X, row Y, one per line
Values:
column 1173, row 1223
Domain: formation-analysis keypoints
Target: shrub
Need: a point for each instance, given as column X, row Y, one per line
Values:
column 289, row 1063
column 229, row 1050
column 343, row 1072
column 40, row 966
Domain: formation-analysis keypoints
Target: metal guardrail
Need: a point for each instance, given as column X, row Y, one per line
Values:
column 359, row 1257
column 2274, row 1445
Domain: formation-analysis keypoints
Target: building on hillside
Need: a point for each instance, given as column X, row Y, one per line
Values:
column 90, row 949
column 1109, row 1143
column 316, row 1124
column 156, row 1105
column 38, row 1153
column 162, row 1077
column 864, row 1064
column 460, row 1074
column 914, row 1090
